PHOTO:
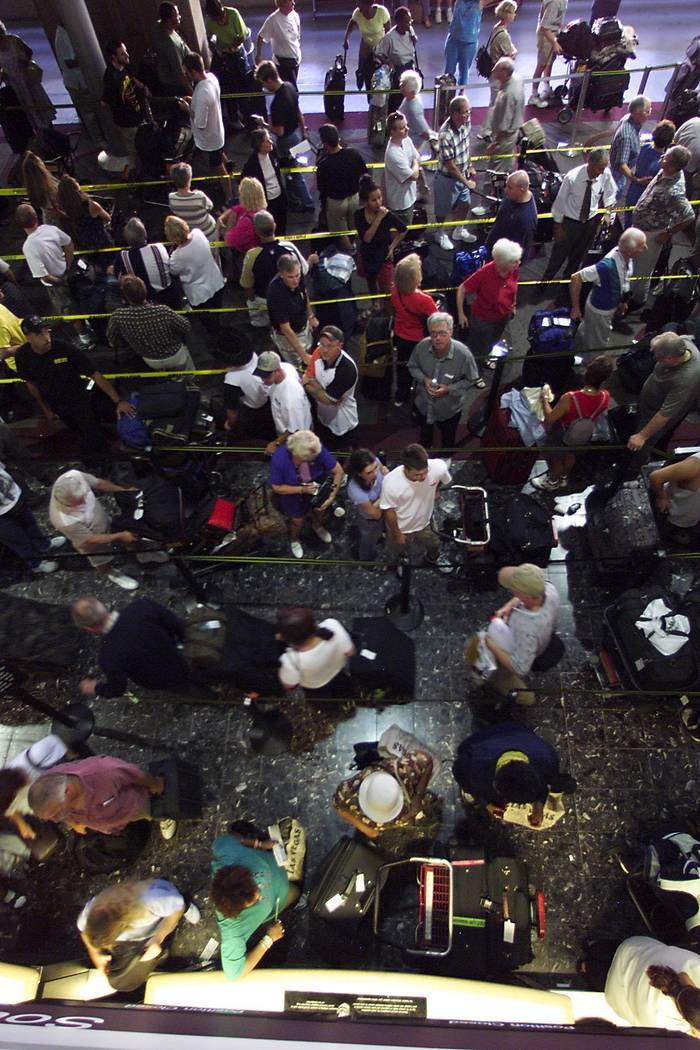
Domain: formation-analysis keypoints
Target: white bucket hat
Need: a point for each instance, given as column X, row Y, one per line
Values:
column 380, row 797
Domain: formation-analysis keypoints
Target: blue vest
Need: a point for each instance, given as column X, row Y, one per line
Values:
column 608, row 293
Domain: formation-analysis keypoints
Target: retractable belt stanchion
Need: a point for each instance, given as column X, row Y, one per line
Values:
column 404, row 610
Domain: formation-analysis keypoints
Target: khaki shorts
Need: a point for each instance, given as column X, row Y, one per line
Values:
column 341, row 214
column 545, row 50
column 285, row 348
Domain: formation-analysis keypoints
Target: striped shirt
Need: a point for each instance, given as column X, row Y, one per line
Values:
column 195, row 208
column 625, row 145
column 454, row 145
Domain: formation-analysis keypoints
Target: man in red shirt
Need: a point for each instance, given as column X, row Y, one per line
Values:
column 99, row 793
column 492, row 291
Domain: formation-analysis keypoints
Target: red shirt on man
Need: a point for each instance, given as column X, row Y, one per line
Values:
column 115, row 793
column 495, row 295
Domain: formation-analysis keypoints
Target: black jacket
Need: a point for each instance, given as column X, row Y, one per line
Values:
column 142, row 646
column 252, row 170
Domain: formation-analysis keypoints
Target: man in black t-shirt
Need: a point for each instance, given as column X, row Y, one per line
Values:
column 338, row 178
column 54, row 371
column 122, row 94
column 291, row 316
column 287, row 123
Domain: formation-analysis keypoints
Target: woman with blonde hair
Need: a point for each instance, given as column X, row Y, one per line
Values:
column 296, row 470
column 499, row 45
column 42, row 189
column 200, row 276
column 411, row 308
column 237, row 222
column 124, row 927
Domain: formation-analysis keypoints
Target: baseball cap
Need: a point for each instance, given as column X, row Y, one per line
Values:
column 526, row 578
column 380, row 797
column 34, row 324
column 268, row 362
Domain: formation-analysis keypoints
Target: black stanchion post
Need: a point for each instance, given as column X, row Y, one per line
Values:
column 476, row 424
column 404, row 610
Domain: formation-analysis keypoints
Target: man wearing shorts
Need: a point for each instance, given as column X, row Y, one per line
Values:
column 204, row 108
column 549, row 23
column 454, row 178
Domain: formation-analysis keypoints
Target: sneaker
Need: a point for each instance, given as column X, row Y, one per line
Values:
column 483, row 136
column 540, row 103
column 56, row 542
column 444, row 242
column 438, row 16
column 339, row 512
column 449, row 14
column 547, row 484
column 193, row 915
column 167, row 829
column 461, row 233
column 125, row 582
column 45, row 567
column 296, row 549
column 323, row 534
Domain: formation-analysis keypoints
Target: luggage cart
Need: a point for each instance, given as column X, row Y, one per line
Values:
column 432, row 930
column 462, row 516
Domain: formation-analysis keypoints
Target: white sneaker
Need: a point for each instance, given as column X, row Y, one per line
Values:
column 193, row 915
column 168, row 828
column 297, row 549
column 56, row 542
column 540, row 103
column 533, row 99
column 125, row 582
column 339, row 512
column 323, row 534
column 46, row 567
column 444, row 242
column 461, row 233
column 449, row 14
column 438, row 16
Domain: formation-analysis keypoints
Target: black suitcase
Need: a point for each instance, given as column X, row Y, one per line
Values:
column 182, row 797
column 251, row 655
column 576, row 39
column 521, row 531
column 607, row 31
column 550, row 357
column 155, row 512
column 621, row 528
column 644, row 667
column 334, row 105
column 345, row 883
column 393, row 668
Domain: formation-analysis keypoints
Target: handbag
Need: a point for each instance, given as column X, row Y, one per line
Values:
column 397, row 743
column 520, row 812
column 484, row 62
column 581, row 431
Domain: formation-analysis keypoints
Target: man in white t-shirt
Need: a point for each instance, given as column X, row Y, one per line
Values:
column 408, row 498
column 282, row 31
column 290, row 406
column 630, row 993
column 401, row 169
column 204, row 108
column 246, row 397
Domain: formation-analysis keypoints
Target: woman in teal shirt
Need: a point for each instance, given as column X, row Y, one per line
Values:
column 462, row 38
column 248, row 889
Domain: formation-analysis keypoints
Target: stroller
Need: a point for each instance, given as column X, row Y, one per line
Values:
column 608, row 48
column 683, row 88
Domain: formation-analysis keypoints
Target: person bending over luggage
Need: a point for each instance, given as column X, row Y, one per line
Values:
column 124, row 928
column 443, row 370
column 246, row 398
column 15, row 782
column 297, row 470
column 366, row 474
column 671, row 388
column 520, row 631
column 95, row 794
column 317, row 655
column 655, row 985
column 509, row 763
column 572, row 422
column 248, row 890
column 141, row 642
column 610, row 278
column 408, row 499
column 492, row 291
column 675, row 490
column 388, row 801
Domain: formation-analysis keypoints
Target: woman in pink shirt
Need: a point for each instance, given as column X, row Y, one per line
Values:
column 492, row 291
column 411, row 308
column 237, row 222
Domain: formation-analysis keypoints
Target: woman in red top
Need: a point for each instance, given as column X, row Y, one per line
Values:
column 588, row 403
column 492, row 291
column 237, row 222
column 411, row 308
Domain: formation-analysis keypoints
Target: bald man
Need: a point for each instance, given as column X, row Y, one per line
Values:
column 517, row 215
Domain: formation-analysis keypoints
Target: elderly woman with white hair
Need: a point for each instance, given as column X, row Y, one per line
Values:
column 150, row 262
column 298, row 469
column 491, row 292
column 200, row 275
column 77, row 514
column 410, row 84
column 499, row 45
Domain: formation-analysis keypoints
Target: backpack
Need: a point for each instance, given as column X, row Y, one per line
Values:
column 468, row 262
column 672, row 864
column 334, row 105
column 132, row 430
column 581, row 431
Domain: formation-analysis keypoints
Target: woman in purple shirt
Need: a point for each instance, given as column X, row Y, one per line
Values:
column 296, row 469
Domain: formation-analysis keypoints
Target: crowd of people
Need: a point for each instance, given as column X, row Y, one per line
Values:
column 292, row 381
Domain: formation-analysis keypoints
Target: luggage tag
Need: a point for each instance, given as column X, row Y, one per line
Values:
column 278, row 850
column 508, row 924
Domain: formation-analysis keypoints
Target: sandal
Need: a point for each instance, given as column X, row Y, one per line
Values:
column 480, row 383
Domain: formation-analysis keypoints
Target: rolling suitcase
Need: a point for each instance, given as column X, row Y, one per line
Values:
column 344, row 888
column 621, row 528
column 334, row 105
column 643, row 666
column 502, row 467
column 393, row 666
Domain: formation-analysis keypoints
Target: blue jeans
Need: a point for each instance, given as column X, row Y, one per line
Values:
column 298, row 195
column 459, row 53
column 20, row 532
